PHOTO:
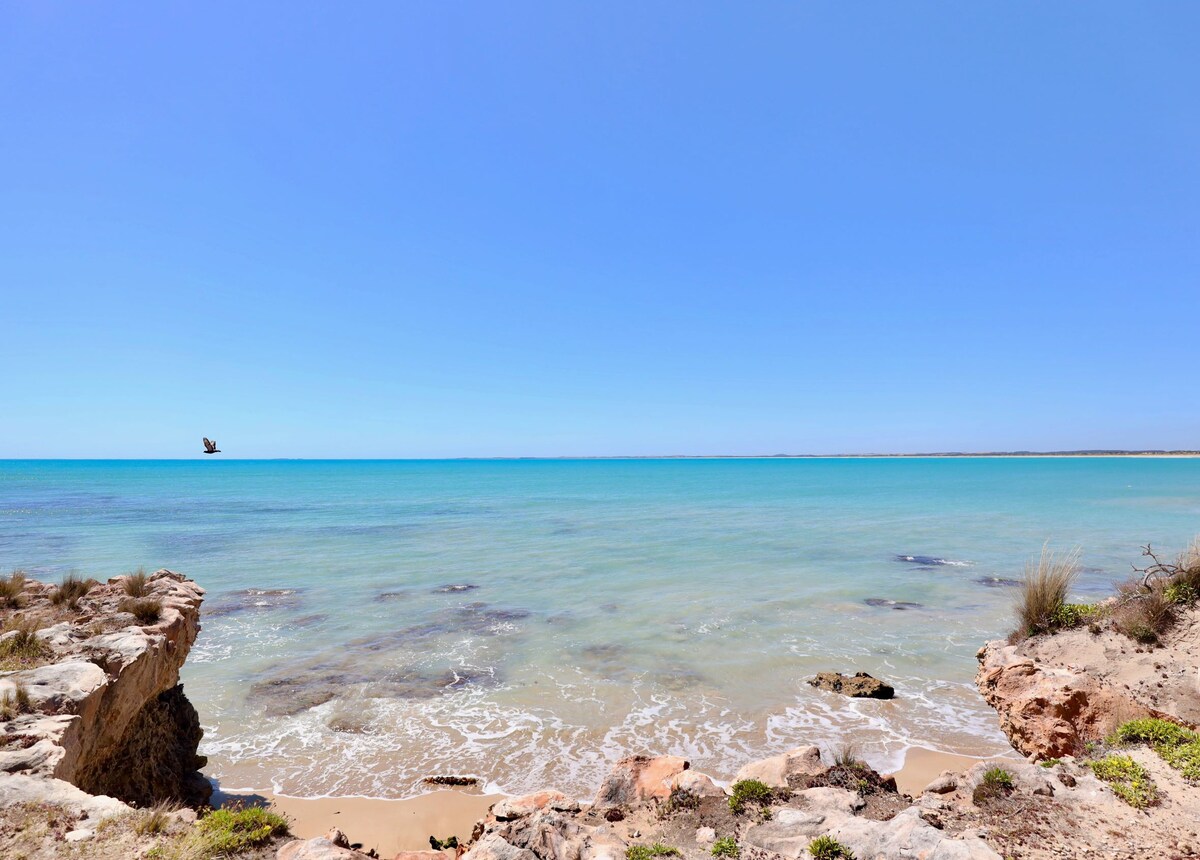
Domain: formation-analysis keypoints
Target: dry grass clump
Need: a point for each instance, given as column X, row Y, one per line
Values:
column 1044, row 592
column 155, row 820
column 14, row 703
column 21, row 646
column 136, row 584
column 147, row 610
column 71, row 590
column 1143, row 614
column 1147, row 605
column 11, row 588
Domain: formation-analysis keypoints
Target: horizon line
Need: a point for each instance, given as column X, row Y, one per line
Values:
column 1084, row 452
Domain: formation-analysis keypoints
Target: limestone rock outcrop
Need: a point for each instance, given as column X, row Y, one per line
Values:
column 106, row 712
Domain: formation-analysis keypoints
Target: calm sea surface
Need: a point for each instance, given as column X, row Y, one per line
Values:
column 371, row 623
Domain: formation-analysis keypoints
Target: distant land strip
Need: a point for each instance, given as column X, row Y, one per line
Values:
column 1084, row 453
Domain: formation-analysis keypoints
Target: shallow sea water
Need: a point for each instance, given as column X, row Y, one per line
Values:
column 369, row 623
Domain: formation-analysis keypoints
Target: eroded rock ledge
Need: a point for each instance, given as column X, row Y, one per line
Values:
column 1057, row 692
column 106, row 712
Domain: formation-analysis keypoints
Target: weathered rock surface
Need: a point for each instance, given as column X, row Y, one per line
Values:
column 776, row 770
column 1046, row 709
column 858, row 686
column 320, row 848
column 108, row 714
column 638, row 778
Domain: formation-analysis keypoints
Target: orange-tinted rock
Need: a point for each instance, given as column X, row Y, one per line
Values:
column 639, row 778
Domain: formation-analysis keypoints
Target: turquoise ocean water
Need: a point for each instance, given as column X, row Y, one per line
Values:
column 371, row 623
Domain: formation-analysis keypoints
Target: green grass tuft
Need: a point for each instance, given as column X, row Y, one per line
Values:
column 1044, row 592
column 228, row 831
column 997, row 782
column 726, row 847
column 828, row 848
column 1128, row 779
column 748, row 791
column 647, row 852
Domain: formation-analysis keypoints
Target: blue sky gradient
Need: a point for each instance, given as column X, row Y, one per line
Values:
column 471, row 229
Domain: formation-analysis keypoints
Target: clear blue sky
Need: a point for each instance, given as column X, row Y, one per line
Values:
column 441, row 229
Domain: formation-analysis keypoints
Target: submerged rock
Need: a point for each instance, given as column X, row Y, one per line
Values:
column 859, row 686
column 255, row 600
column 998, row 582
column 455, row 588
column 894, row 604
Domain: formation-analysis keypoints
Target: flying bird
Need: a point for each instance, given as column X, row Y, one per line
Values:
column 210, row 447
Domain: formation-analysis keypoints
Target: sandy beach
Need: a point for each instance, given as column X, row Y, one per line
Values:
column 391, row 826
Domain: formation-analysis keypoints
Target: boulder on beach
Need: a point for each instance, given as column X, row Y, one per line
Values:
column 858, row 686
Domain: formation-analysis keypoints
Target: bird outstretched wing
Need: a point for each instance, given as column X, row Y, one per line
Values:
column 209, row 446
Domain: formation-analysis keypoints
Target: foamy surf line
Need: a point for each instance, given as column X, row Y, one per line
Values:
column 518, row 751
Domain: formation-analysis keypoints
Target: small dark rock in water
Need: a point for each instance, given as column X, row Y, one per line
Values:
column 451, row 780
column 440, row 844
column 384, row 596
column 455, row 589
column 998, row 582
column 860, row 686
column 894, row 604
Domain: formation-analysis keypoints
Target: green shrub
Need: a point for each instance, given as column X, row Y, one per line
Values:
column 1152, row 731
column 1050, row 762
column 647, row 852
column 1177, row 746
column 749, row 791
column 1180, row 593
column 679, row 800
column 228, row 831
column 1069, row 615
column 1128, row 779
column 726, row 847
column 997, row 782
column 828, row 848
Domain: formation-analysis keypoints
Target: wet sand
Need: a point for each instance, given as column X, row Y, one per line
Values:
column 388, row 826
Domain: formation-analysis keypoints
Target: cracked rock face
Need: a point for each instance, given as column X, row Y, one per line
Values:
column 107, row 713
